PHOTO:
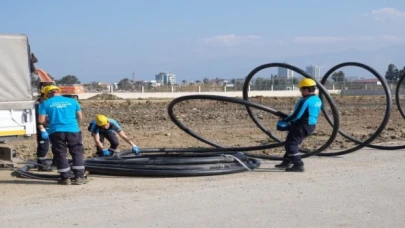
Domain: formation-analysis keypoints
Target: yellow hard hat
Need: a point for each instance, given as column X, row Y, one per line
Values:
column 101, row 120
column 306, row 82
column 49, row 88
column 43, row 90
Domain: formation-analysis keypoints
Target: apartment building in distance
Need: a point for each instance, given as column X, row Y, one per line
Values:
column 285, row 73
column 314, row 71
column 165, row 78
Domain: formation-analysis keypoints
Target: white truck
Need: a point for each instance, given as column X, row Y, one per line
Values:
column 17, row 103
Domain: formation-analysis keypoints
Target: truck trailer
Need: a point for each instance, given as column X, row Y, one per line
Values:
column 17, row 101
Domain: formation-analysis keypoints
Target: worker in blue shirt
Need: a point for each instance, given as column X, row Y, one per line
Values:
column 64, row 115
column 300, row 124
column 105, row 128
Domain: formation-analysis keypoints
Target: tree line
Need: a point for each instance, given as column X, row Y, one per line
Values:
column 392, row 74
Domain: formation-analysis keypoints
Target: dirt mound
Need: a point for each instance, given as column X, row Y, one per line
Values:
column 105, row 96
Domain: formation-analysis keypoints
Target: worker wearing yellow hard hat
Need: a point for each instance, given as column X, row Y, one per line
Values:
column 42, row 138
column 300, row 124
column 64, row 115
column 102, row 128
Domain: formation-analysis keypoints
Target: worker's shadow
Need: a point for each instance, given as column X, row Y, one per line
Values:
column 30, row 182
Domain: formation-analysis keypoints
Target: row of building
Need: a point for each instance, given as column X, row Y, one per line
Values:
column 314, row 71
column 284, row 79
column 165, row 78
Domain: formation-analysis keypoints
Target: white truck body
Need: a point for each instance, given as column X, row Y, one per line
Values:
column 17, row 104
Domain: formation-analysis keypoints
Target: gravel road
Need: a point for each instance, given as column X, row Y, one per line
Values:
column 364, row 189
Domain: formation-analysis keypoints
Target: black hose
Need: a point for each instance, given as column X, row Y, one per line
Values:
column 383, row 124
column 322, row 90
column 172, row 165
column 397, row 95
column 24, row 171
column 401, row 111
column 177, row 122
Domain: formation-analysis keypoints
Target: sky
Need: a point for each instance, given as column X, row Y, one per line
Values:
column 107, row 40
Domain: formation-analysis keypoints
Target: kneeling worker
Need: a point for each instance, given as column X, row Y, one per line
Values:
column 104, row 128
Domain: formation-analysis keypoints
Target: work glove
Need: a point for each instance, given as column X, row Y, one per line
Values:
column 44, row 134
column 282, row 125
column 106, row 152
column 136, row 150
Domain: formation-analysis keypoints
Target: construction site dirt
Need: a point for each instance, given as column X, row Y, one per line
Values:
column 147, row 122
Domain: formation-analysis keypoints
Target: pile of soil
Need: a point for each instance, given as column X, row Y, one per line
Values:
column 105, row 96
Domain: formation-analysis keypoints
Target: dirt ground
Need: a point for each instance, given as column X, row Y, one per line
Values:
column 148, row 124
column 363, row 189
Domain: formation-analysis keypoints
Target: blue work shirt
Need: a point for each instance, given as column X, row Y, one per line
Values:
column 306, row 110
column 62, row 114
column 114, row 126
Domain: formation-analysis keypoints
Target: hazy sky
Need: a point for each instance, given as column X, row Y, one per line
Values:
column 106, row 40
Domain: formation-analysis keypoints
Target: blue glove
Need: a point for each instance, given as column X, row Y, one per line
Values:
column 44, row 134
column 136, row 150
column 282, row 125
column 106, row 152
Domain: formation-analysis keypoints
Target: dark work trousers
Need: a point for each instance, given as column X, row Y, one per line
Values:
column 42, row 148
column 63, row 141
column 297, row 133
column 112, row 139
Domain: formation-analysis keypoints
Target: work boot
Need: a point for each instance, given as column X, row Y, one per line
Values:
column 79, row 181
column 64, row 181
column 296, row 168
column 284, row 165
column 44, row 169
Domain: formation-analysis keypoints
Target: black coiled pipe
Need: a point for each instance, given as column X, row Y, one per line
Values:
column 383, row 124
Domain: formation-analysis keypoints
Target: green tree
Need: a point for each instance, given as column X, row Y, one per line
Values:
column 401, row 72
column 259, row 83
column 338, row 76
column 68, row 80
column 184, row 82
column 125, row 84
column 206, row 81
column 392, row 73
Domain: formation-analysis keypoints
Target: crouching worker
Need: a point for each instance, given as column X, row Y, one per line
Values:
column 300, row 124
column 105, row 128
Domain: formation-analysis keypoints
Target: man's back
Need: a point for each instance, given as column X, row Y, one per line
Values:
column 306, row 110
column 62, row 114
